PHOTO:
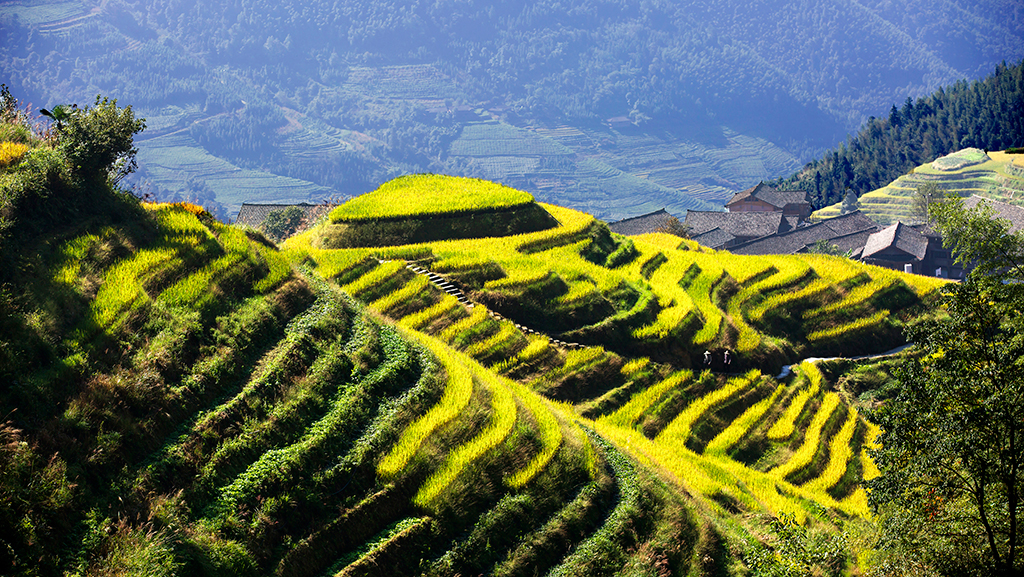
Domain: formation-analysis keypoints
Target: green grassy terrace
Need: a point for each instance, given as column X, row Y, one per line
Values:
column 424, row 195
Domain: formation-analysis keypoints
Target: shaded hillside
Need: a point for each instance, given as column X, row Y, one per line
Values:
column 616, row 108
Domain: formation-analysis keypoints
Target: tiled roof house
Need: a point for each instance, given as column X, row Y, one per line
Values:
column 1010, row 212
column 764, row 198
column 643, row 224
column 254, row 214
column 739, row 227
column 848, row 232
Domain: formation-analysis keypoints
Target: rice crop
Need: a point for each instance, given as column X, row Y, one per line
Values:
column 374, row 278
column 786, row 425
column 479, row 315
column 386, row 303
column 429, row 194
column 503, row 411
column 457, row 393
column 741, row 426
column 447, row 306
column 841, row 330
column 840, row 453
column 630, row 413
column 803, row 456
column 279, row 269
column 548, row 426
column 679, row 428
column 506, row 338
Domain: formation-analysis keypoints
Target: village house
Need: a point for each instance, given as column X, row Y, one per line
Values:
column 764, row 198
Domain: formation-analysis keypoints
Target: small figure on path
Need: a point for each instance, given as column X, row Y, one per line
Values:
column 727, row 359
column 707, row 359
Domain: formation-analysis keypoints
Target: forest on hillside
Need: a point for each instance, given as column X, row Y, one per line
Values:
column 987, row 114
column 335, row 98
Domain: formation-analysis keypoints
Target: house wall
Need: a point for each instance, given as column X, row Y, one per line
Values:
column 802, row 210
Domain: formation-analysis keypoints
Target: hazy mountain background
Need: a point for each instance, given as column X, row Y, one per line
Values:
column 616, row 108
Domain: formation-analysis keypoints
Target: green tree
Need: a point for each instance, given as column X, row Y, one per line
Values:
column 952, row 456
column 823, row 246
column 924, row 197
column 99, row 140
column 280, row 224
column 796, row 551
column 674, row 226
column 850, row 202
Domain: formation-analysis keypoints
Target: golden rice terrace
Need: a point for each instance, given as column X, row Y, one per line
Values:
column 191, row 399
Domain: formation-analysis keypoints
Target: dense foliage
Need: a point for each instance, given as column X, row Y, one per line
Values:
column 986, row 114
column 952, row 455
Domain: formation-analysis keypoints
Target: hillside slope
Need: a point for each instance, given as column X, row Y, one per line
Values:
column 188, row 399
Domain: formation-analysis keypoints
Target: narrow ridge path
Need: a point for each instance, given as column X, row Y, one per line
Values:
column 448, row 287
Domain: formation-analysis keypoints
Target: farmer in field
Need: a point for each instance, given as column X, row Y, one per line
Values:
column 727, row 359
column 707, row 359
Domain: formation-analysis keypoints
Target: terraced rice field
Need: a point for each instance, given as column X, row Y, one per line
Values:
column 997, row 177
column 165, row 158
column 502, row 405
column 743, row 441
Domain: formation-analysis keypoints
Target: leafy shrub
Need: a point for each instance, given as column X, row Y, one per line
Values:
column 99, row 139
column 280, row 224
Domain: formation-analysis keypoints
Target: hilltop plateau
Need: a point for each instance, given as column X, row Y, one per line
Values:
column 185, row 397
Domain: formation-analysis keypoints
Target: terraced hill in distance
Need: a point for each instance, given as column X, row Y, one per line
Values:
column 995, row 175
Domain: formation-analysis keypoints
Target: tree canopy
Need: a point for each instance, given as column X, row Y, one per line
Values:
column 952, row 456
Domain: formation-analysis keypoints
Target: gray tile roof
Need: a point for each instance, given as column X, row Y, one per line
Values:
column 643, row 224
column 738, row 224
column 1010, row 212
column 899, row 236
column 777, row 198
column 715, row 238
column 794, row 241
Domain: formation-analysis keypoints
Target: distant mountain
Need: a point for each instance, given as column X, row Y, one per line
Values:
column 612, row 107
